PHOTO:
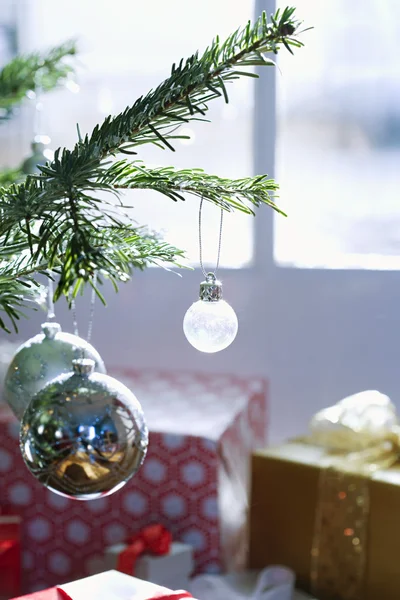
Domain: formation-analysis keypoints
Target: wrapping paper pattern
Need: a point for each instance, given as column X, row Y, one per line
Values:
column 194, row 480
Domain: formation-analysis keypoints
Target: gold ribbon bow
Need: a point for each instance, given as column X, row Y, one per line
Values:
column 360, row 434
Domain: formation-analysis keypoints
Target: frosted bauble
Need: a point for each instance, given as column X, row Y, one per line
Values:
column 210, row 326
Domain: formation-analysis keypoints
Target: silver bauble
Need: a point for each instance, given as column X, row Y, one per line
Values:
column 7, row 351
column 41, row 359
column 84, row 434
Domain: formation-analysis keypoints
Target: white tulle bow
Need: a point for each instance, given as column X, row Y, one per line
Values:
column 273, row 583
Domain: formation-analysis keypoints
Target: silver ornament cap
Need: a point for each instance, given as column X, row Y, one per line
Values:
column 51, row 329
column 83, row 366
column 210, row 289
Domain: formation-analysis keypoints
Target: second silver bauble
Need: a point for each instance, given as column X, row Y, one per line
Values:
column 41, row 359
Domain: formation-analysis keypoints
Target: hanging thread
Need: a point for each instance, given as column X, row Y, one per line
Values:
column 50, row 302
column 91, row 313
column 205, row 273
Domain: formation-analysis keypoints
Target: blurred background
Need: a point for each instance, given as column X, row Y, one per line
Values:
column 316, row 293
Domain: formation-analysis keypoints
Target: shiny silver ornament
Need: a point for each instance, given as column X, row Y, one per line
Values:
column 40, row 155
column 41, row 359
column 84, row 435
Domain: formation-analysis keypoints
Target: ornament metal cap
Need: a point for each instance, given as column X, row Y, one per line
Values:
column 210, row 289
column 83, row 366
column 50, row 330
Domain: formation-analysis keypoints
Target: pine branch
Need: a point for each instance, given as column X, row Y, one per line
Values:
column 31, row 72
column 16, row 295
column 115, row 252
column 77, row 249
column 9, row 176
column 183, row 97
column 11, row 301
column 236, row 194
column 77, row 232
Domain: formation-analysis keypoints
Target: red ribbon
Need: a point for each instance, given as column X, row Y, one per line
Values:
column 6, row 545
column 53, row 593
column 154, row 539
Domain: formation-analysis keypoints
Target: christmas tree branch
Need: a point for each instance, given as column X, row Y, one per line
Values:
column 186, row 94
column 13, row 299
column 9, row 176
column 120, row 249
column 111, row 251
column 31, row 72
column 183, row 97
column 236, row 194
column 17, row 288
column 82, row 229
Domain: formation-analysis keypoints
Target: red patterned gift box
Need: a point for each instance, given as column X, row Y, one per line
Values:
column 194, row 480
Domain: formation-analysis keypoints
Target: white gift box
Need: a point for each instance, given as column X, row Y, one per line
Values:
column 110, row 585
column 170, row 570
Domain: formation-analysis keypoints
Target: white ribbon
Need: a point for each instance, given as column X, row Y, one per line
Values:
column 273, row 583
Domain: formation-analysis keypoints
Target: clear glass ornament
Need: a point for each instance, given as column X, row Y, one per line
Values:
column 41, row 359
column 84, row 434
column 210, row 324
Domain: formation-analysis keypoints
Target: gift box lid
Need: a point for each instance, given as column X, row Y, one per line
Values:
column 110, row 585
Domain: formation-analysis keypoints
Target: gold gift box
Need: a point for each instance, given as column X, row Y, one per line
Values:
column 284, row 501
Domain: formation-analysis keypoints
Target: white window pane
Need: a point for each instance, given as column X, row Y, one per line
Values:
column 129, row 47
column 338, row 147
column 8, row 31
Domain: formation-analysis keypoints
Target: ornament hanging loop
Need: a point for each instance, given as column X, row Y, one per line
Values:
column 211, row 288
column 50, row 302
column 206, row 275
column 91, row 315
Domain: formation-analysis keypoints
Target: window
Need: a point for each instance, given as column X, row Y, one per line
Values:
column 338, row 144
column 8, row 31
column 8, row 48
